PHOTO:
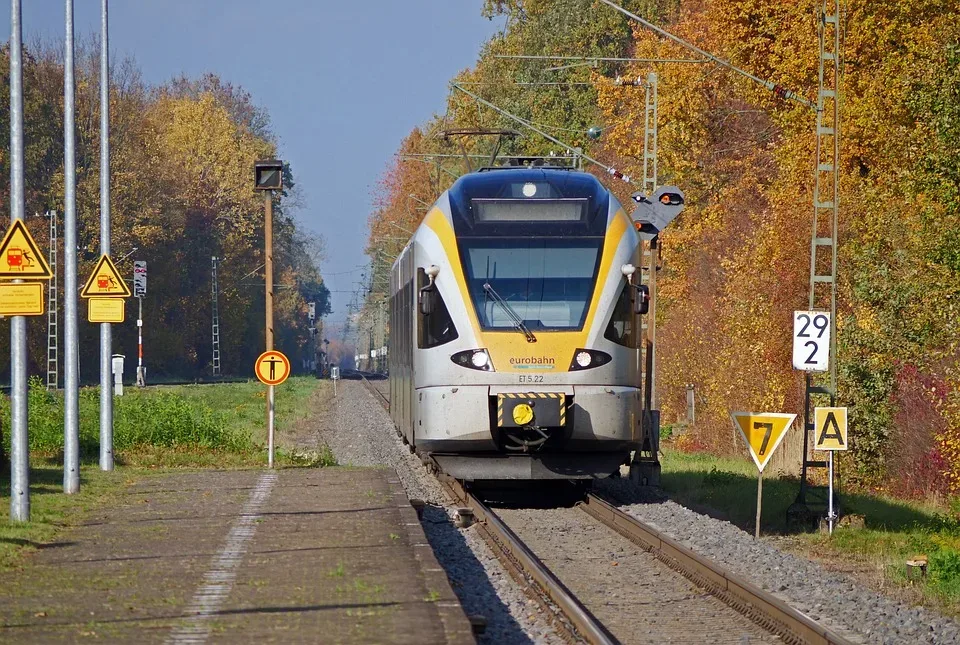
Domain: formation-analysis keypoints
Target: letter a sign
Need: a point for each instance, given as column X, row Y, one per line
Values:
column 762, row 432
column 830, row 426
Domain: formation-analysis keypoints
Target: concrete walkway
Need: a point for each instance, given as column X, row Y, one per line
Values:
column 331, row 555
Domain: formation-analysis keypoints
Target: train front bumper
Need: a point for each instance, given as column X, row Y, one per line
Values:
column 595, row 418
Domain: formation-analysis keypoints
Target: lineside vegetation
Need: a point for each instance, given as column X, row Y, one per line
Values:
column 182, row 158
column 172, row 426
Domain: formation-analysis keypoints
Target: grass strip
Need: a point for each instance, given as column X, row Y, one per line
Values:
column 894, row 530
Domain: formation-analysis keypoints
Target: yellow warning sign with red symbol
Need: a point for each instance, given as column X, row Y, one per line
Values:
column 272, row 368
column 105, row 281
column 20, row 257
column 762, row 432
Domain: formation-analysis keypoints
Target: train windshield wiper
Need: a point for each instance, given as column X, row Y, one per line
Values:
column 514, row 316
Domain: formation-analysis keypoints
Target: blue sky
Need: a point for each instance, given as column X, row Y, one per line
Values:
column 343, row 82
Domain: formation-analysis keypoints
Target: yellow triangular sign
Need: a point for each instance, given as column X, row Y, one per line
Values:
column 762, row 432
column 19, row 255
column 105, row 281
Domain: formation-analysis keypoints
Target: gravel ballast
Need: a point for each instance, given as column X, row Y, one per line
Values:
column 833, row 599
column 636, row 597
column 360, row 433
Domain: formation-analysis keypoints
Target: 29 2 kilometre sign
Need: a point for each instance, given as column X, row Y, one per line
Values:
column 811, row 340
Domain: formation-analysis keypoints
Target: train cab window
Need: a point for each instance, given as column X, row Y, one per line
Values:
column 623, row 323
column 436, row 328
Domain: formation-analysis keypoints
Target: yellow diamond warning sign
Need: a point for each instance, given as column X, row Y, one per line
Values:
column 20, row 256
column 762, row 432
column 830, row 428
column 105, row 281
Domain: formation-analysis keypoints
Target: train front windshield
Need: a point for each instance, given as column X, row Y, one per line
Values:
column 546, row 282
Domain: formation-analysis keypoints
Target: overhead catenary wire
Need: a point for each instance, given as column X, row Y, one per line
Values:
column 600, row 58
column 779, row 91
column 576, row 151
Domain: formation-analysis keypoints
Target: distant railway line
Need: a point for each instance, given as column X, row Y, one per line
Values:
column 695, row 599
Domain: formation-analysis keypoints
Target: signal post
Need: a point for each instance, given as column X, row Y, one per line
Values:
column 268, row 177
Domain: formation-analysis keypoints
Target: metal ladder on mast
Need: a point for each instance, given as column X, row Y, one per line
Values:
column 216, row 318
column 823, row 243
column 645, row 466
column 53, row 353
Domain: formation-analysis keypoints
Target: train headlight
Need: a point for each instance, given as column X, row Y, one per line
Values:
column 475, row 359
column 585, row 359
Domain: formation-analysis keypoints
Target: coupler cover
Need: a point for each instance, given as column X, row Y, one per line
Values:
column 541, row 409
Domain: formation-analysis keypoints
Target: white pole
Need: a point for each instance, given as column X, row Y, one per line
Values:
column 141, row 377
column 270, row 424
column 71, row 393
column 756, row 532
column 106, row 389
column 830, row 516
column 19, row 441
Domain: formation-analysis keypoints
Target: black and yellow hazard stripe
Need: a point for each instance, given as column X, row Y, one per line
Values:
column 531, row 396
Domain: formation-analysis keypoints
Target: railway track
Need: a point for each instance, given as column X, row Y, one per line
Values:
column 569, row 616
column 772, row 619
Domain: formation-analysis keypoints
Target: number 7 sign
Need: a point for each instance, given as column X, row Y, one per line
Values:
column 811, row 340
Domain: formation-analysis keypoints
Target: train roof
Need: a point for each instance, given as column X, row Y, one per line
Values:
column 507, row 182
column 526, row 184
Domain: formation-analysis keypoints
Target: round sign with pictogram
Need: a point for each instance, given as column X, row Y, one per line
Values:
column 272, row 368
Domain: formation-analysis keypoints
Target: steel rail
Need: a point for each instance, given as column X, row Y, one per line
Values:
column 758, row 605
column 526, row 566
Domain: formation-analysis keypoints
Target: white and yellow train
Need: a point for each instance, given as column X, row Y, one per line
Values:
column 514, row 329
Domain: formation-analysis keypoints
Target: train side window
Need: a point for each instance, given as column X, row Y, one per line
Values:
column 436, row 328
column 622, row 328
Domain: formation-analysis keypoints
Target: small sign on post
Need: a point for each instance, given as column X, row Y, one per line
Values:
column 106, row 310
column 139, row 278
column 105, row 281
column 21, row 299
column 830, row 433
column 20, row 258
column 139, row 291
column 335, row 376
column 272, row 368
column 811, row 340
column 762, row 432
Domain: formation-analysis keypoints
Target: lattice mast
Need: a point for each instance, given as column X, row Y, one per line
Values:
column 215, row 295
column 826, row 208
column 53, row 327
column 646, row 457
column 650, row 135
